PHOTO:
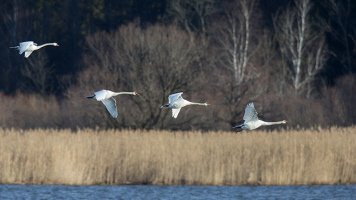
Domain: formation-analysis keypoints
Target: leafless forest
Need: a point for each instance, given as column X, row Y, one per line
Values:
column 294, row 59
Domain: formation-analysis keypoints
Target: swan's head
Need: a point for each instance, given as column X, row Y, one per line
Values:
column 284, row 121
column 135, row 93
column 55, row 44
column 206, row 104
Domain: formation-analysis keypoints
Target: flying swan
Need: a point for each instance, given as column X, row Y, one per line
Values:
column 252, row 121
column 29, row 46
column 176, row 102
column 107, row 97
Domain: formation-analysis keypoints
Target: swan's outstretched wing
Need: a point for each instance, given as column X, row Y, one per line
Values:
column 250, row 113
column 110, row 105
column 173, row 97
column 100, row 95
column 24, row 46
column 28, row 53
column 175, row 112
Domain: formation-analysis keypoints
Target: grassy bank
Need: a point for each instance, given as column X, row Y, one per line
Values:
column 163, row 157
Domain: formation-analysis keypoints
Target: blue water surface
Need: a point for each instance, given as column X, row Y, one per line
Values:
column 332, row 192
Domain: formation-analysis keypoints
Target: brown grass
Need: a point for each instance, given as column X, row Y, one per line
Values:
column 162, row 157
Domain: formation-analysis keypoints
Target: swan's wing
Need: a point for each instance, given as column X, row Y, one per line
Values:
column 175, row 112
column 24, row 46
column 250, row 113
column 28, row 53
column 173, row 97
column 110, row 105
column 100, row 95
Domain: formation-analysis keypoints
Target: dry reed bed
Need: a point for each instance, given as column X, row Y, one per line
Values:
column 161, row 157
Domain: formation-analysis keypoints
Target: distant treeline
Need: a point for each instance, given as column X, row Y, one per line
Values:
column 295, row 59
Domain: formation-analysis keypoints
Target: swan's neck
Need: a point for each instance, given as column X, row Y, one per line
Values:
column 47, row 44
column 194, row 103
column 119, row 93
column 271, row 123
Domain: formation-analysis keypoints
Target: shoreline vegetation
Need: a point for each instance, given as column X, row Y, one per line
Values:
column 114, row 157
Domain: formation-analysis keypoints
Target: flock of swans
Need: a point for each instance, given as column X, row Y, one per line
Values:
column 175, row 101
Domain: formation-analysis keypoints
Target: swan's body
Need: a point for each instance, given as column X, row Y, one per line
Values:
column 252, row 121
column 106, row 96
column 29, row 46
column 176, row 102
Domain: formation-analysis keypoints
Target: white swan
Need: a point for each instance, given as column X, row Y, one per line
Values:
column 29, row 46
column 106, row 96
column 176, row 102
column 252, row 121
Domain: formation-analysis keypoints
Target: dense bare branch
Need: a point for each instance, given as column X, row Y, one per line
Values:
column 303, row 49
column 156, row 62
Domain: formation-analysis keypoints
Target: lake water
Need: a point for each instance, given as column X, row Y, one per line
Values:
column 336, row 192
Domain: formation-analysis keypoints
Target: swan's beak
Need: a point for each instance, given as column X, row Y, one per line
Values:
column 137, row 93
column 286, row 121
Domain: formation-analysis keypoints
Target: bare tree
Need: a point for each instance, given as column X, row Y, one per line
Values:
column 345, row 34
column 236, row 38
column 39, row 74
column 19, row 23
column 154, row 62
column 234, row 35
column 193, row 15
column 14, row 26
column 302, row 45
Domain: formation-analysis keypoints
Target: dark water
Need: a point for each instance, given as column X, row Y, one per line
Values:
column 338, row 192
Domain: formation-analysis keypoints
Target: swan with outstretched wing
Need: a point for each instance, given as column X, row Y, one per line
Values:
column 251, row 120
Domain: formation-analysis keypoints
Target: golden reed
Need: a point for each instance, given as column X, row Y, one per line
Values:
column 87, row 156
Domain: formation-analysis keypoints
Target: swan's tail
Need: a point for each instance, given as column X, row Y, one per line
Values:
column 165, row 106
column 90, row 97
column 239, row 128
